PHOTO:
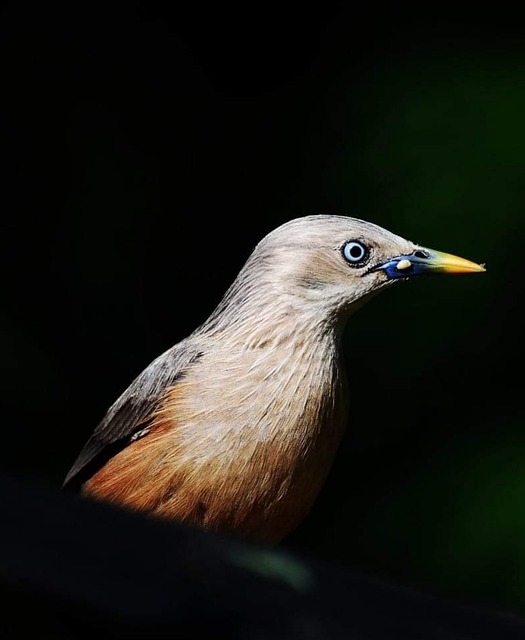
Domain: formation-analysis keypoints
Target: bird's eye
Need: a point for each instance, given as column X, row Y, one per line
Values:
column 355, row 252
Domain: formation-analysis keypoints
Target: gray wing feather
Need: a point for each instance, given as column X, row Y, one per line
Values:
column 129, row 414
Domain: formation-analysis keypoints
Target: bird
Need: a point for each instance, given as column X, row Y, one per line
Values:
column 235, row 428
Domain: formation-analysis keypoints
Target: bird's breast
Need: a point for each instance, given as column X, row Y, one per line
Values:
column 242, row 444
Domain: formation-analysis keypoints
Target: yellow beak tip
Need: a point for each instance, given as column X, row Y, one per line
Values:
column 448, row 263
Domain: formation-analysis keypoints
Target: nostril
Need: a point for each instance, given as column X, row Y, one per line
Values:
column 421, row 254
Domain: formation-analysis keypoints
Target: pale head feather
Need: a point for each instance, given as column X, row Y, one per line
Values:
column 297, row 275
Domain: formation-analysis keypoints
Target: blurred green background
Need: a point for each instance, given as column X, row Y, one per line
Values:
column 148, row 148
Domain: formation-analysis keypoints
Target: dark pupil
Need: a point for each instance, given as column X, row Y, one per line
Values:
column 356, row 251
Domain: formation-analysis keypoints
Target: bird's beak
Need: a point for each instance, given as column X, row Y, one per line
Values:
column 427, row 261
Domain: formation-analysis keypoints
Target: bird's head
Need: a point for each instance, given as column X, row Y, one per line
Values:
column 337, row 262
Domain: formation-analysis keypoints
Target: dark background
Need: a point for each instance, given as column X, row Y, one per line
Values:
column 147, row 147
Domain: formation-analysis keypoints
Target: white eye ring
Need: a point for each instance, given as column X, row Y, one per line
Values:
column 355, row 252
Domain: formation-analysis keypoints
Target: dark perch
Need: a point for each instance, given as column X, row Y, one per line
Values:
column 73, row 568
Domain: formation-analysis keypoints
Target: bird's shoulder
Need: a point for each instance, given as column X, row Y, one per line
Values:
column 128, row 418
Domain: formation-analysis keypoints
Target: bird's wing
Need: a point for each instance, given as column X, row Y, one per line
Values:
column 131, row 413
